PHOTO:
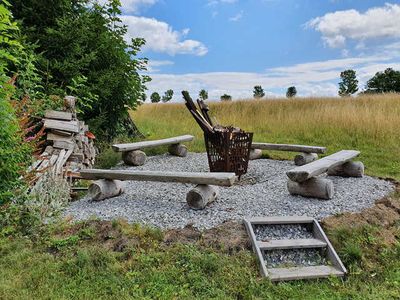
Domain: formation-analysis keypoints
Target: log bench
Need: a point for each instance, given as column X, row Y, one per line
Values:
column 133, row 155
column 109, row 183
column 303, row 180
column 307, row 153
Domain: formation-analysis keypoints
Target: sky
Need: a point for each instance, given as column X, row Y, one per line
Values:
column 229, row 46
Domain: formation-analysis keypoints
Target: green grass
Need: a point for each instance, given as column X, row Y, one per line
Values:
column 369, row 124
column 83, row 263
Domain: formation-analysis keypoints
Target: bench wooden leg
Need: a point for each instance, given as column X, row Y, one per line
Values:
column 255, row 154
column 348, row 169
column 305, row 158
column 134, row 158
column 201, row 195
column 178, row 150
column 314, row 187
column 104, row 188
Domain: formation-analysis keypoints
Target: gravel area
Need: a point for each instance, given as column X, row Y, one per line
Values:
column 261, row 192
column 281, row 232
column 294, row 258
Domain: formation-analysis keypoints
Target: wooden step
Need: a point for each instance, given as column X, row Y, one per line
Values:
column 291, row 244
column 279, row 274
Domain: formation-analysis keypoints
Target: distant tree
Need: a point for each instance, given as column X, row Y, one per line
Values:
column 155, row 97
column 226, row 97
column 167, row 96
column 203, row 95
column 258, row 92
column 349, row 84
column 387, row 81
column 291, row 92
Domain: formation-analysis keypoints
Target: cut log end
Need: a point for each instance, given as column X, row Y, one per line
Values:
column 134, row 158
column 201, row 195
column 104, row 189
column 178, row 150
column 305, row 158
column 314, row 187
column 348, row 169
column 255, row 154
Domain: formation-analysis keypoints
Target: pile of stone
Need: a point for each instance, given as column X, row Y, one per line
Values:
column 69, row 145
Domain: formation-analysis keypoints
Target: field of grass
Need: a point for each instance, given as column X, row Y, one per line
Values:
column 370, row 124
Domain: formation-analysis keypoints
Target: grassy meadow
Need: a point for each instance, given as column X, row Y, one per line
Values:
column 370, row 124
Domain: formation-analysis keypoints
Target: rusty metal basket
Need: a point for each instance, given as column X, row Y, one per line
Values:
column 228, row 151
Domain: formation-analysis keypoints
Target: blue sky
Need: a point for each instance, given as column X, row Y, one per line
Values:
column 228, row 46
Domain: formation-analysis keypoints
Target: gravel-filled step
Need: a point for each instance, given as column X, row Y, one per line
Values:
column 282, row 232
column 294, row 258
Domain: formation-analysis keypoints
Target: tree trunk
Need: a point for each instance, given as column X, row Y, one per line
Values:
column 201, row 195
column 178, row 150
column 314, row 187
column 305, row 158
column 134, row 158
column 255, row 154
column 103, row 189
column 349, row 169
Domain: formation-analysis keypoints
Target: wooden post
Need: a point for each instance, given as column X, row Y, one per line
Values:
column 178, row 150
column 104, row 188
column 202, row 194
column 314, row 187
column 349, row 169
column 305, row 158
column 134, row 158
column 255, row 154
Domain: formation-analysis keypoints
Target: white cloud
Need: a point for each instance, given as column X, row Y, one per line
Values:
column 161, row 37
column 340, row 26
column 132, row 6
column 236, row 17
column 153, row 66
column 311, row 79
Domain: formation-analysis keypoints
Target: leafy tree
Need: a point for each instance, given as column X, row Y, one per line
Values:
column 155, row 97
column 291, row 92
column 258, row 92
column 226, row 97
column 203, row 94
column 349, row 84
column 167, row 96
column 387, row 81
column 82, row 43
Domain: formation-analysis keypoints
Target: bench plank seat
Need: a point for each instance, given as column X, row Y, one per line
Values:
column 222, row 179
column 149, row 144
column 288, row 147
column 315, row 168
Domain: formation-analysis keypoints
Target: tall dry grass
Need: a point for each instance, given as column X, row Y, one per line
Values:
column 368, row 123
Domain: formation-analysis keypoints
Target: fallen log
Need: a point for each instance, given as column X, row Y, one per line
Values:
column 178, row 150
column 349, row 169
column 255, row 154
column 314, row 187
column 104, row 188
column 305, row 158
column 134, row 158
column 201, row 195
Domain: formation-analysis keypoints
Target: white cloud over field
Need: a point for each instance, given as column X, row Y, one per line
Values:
column 337, row 28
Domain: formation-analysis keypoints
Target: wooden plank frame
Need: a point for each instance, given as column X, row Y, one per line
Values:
column 318, row 233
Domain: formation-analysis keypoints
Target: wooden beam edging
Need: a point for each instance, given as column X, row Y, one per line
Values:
column 256, row 249
column 221, row 179
column 288, row 147
column 154, row 143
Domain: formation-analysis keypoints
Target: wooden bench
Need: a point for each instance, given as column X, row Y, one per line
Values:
column 108, row 183
column 303, row 180
column 307, row 153
column 132, row 154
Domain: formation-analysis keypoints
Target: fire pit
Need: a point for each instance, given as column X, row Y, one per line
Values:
column 228, row 148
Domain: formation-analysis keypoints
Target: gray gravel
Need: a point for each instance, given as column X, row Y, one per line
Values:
column 294, row 258
column 262, row 192
column 280, row 232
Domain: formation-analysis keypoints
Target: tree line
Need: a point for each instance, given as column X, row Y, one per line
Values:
column 387, row 81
